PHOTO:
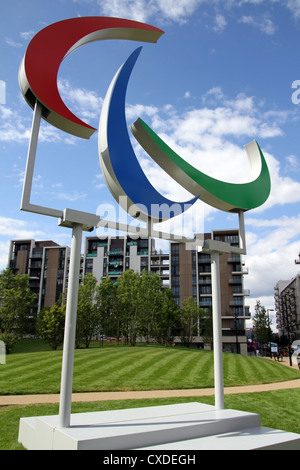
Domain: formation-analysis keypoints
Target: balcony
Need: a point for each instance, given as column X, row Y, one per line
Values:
column 115, row 263
column 237, row 302
column 204, row 269
column 204, row 282
column 205, row 302
column 240, row 270
column 235, row 280
column 244, row 293
column 244, row 315
column 37, row 254
column 234, row 258
column 115, row 251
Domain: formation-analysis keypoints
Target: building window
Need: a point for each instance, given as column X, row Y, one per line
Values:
column 238, row 300
column 232, row 239
column 205, row 301
column 237, row 289
column 204, row 268
column 174, row 249
column 205, row 290
column 238, row 310
column 236, row 279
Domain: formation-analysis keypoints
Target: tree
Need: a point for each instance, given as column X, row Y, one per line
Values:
column 16, row 303
column 51, row 323
column 106, row 302
column 149, row 303
column 261, row 324
column 136, row 305
column 169, row 319
column 207, row 327
column 189, row 318
column 88, row 318
column 128, row 304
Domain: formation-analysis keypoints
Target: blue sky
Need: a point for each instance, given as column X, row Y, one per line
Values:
column 220, row 76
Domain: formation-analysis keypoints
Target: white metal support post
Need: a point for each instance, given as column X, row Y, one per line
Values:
column 25, row 202
column 215, row 248
column 217, row 331
column 31, row 155
column 70, row 330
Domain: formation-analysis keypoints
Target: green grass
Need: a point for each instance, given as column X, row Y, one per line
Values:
column 33, row 368
column 131, row 368
column 278, row 409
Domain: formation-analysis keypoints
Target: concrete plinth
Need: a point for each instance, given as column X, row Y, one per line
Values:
column 173, row 427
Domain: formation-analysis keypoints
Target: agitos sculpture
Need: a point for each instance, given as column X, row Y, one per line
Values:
column 124, row 177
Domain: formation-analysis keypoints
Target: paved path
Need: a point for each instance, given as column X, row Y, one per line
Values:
column 103, row 396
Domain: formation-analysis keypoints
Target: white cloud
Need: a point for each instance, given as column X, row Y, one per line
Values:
column 71, row 196
column 132, row 111
column 284, row 190
column 292, row 163
column 17, row 129
column 294, row 7
column 135, row 10
column 27, row 35
column 265, row 25
column 177, row 11
column 85, row 103
column 12, row 43
column 142, row 10
column 271, row 255
column 15, row 228
column 220, row 23
column 180, row 11
column 18, row 229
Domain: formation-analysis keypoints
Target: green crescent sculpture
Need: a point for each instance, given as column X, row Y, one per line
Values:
column 229, row 197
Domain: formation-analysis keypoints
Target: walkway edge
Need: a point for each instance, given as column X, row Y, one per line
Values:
column 136, row 395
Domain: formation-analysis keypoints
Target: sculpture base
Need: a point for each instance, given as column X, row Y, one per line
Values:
column 190, row 426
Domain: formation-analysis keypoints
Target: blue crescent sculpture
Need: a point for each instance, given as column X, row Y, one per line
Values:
column 122, row 172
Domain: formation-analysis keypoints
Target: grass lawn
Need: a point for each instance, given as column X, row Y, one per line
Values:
column 279, row 409
column 33, row 368
column 131, row 368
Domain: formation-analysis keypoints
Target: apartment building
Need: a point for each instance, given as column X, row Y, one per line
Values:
column 187, row 272
column 46, row 264
column 191, row 276
column 287, row 307
column 111, row 256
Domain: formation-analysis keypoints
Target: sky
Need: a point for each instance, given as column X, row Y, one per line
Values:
column 225, row 72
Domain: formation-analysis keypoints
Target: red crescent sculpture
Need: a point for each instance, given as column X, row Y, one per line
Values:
column 46, row 51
